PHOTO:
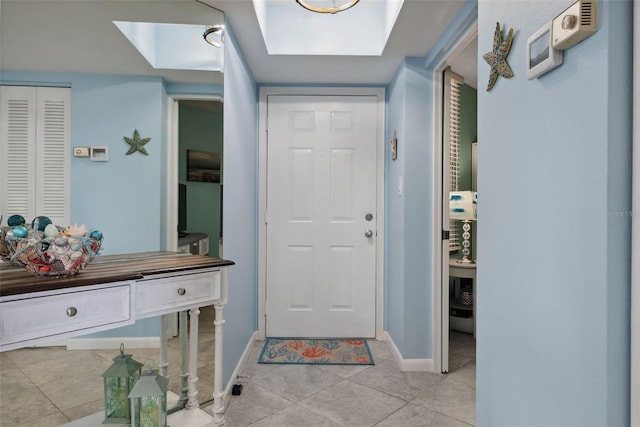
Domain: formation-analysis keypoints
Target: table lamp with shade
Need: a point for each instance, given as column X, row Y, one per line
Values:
column 463, row 206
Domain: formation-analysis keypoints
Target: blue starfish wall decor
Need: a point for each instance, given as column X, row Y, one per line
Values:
column 497, row 59
column 137, row 144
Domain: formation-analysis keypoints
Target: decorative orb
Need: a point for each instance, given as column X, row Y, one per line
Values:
column 43, row 221
column 20, row 231
column 51, row 231
column 14, row 220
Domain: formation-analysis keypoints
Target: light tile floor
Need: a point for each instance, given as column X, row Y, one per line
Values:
column 379, row 395
column 50, row 386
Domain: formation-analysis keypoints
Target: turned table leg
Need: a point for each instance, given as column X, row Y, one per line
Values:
column 218, row 390
column 218, row 385
column 164, row 359
column 192, row 402
column 184, row 360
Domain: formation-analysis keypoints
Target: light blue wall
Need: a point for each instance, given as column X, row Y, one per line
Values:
column 121, row 197
column 394, row 211
column 408, row 265
column 553, row 240
column 240, row 204
column 419, row 201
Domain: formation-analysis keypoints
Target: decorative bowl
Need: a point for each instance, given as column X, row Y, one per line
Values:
column 63, row 254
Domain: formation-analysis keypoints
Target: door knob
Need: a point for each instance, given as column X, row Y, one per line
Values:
column 368, row 233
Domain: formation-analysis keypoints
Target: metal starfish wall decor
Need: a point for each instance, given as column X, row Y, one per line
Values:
column 136, row 143
column 498, row 58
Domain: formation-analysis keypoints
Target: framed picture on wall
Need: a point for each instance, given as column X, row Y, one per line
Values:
column 203, row 166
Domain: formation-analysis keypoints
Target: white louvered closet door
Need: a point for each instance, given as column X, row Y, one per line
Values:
column 451, row 110
column 35, row 152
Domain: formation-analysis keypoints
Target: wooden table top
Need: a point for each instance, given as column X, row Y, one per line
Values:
column 105, row 269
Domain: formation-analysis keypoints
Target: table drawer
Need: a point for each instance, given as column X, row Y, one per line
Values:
column 53, row 315
column 170, row 294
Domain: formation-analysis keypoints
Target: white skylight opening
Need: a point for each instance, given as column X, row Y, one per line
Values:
column 173, row 46
column 363, row 30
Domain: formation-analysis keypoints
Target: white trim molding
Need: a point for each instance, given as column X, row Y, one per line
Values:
column 635, row 224
column 239, row 368
column 108, row 343
column 408, row 365
column 262, row 190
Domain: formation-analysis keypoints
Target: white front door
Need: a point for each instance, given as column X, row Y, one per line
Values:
column 321, row 216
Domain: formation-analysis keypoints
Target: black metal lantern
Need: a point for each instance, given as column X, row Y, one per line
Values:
column 119, row 380
column 149, row 400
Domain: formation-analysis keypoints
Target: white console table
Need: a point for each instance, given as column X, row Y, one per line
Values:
column 114, row 291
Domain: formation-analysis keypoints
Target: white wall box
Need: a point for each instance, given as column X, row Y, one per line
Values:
column 35, row 152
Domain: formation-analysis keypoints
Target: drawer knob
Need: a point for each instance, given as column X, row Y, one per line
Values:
column 182, row 291
column 72, row 311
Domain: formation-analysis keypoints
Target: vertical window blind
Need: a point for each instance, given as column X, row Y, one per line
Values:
column 452, row 85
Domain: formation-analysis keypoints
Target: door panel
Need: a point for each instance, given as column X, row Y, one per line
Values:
column 321, row 184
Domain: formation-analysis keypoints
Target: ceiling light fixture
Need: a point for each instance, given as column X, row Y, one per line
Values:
column 214, row 35
column 327, row 6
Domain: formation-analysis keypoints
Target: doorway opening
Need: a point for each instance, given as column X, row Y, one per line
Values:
column 456, row 92
column 194, row 203
column 200, row 177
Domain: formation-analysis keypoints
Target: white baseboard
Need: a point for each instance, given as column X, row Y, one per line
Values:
column 59, row 343
column 239, row 368
column 112, row 343
column 408, row 365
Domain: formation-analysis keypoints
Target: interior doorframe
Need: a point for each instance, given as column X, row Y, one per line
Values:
column 265, row 92
column 441, row 263
column 635, row 239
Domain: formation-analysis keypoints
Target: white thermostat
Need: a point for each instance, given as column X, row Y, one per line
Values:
column 100, row 154
column 575, row 24
column 541, row 56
